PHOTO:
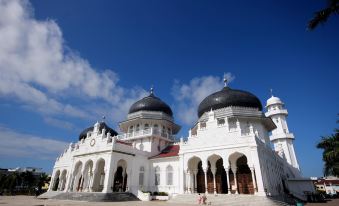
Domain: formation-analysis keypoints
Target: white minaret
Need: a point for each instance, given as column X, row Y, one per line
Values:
column 281, row 138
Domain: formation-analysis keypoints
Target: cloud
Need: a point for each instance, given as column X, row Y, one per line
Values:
column 15, row 144
column 59, row 123
column 42, row 73
column 188, row 96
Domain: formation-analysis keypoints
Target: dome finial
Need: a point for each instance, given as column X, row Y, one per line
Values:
column 271, row 90
column 151, row 90
column 225, row 80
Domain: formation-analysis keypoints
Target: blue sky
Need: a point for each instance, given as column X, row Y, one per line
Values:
column 64, row 64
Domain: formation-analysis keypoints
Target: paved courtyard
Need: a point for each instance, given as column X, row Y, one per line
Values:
column 32, row 201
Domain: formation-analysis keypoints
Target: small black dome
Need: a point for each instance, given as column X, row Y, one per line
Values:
column 102, row 125
column 151, row 103
column 228, row 97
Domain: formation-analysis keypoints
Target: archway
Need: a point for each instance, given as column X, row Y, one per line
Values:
column 56, row 180
column 197, row 175
column 63, row 180
column 77, row 177
column 200, row 179
column 88, row 176
column 99, row 176
column 221, row 177
column 120, row 177
column 244, row 177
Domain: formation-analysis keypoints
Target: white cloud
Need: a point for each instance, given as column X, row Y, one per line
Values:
column 15, row 144
column 188, row 96
column 41, row 72
column 59, row 123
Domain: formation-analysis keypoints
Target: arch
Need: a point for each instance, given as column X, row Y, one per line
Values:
column 169, row 175
column 56, row 180
column 77, row 177
column 120, row 177
column 63, row 180
column 216, row 170
column 88, row 176
column 244, row 177
column 99, row 175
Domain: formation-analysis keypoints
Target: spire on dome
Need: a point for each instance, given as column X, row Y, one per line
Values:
column 151, row 90
column 271, row 90
column 225, row 80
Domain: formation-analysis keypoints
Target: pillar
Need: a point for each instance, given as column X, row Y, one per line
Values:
column 214, row 184
column 195, row 172
column 253, row 180
column 234, row 170
column 206, row 188
column 227, row 169
column 109, row 165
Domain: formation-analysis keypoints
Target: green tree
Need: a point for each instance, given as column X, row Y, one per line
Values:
column 330, row 145
column 322, row 16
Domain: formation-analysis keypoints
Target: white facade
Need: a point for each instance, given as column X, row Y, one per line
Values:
column 223, row 142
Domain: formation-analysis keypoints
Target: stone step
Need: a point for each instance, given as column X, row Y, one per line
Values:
column 223, row 199
column 96, row 196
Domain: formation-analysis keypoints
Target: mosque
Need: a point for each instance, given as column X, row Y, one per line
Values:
column 235, row 147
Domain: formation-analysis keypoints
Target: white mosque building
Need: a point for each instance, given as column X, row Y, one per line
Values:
column 228, row 151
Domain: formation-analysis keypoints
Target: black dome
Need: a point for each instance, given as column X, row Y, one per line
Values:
column 228, row 97
column 102, row 125
column 151, row 103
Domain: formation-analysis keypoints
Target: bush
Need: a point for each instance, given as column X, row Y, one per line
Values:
column 162, row 194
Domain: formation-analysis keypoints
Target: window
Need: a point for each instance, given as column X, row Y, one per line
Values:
column 169, row 175
column 157, row 176
column 137, row 128
column 221, row 121
column 146, row 126
column 141, row 176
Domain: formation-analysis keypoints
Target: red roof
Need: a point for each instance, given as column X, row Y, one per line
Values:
column 328, row 182
column 169, row 151
column 122, row 142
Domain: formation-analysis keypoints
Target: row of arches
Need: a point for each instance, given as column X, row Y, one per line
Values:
column 215, row 177
column 90, row 177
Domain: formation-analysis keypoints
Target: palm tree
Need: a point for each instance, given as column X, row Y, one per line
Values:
column 322, row 15
column 330, row 145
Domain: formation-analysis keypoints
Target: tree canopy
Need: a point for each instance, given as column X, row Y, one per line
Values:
column 330, row 145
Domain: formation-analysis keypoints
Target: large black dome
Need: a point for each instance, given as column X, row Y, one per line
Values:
column 102, row 125
column 228, row 97
column 151, row 103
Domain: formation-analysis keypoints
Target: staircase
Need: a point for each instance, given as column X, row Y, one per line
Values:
column 224, row 199
column 96, row 196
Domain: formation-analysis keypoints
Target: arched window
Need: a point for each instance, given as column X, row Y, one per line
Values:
column 130, row 131
column 169, row 175
column 137, row 128
column 157, row 176
column 156, row 129
column 146, row 127
column 141, row 176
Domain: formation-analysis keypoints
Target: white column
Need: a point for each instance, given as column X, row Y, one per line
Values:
column 189, row 182
column 195, row 181
column 234, row 170
column 214, row 184
column 253, row 180
column 227, row 169
column 206, row 191
column 109, row 165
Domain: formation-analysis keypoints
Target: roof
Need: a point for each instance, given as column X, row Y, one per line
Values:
column 322, row 181
column 169, row 151
column 122, row 142
column 151, row 103
column 228, row 97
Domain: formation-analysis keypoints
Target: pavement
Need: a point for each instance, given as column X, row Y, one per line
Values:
column 21, row 200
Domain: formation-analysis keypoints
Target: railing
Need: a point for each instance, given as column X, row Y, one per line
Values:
column 145, row 133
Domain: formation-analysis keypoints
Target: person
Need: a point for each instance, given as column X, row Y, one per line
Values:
column 199, row 199
column 36, row 189
column 204, row 198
